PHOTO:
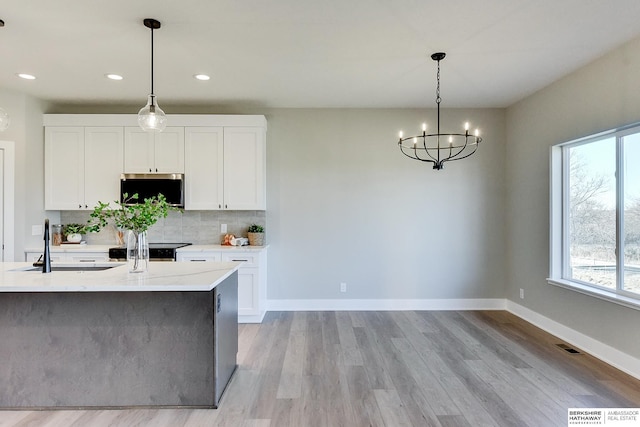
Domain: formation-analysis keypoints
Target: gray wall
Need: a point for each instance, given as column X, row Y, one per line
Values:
column 600, row 96
column 344, row 205
column 27, row 133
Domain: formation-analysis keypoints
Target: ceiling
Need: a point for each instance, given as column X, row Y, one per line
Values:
column 305, row 53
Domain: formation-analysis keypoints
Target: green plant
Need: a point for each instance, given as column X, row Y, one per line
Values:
column 255, row 228
column 135, row 217
column 74, row 229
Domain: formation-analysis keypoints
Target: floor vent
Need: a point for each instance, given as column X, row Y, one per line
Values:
column 568, row 349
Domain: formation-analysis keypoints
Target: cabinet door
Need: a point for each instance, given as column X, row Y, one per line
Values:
column 138, row 150
column 248, row 281
column 64, row 168
column 103, row 159
column 203, row 168
column 248, row 292
column 244, row 168
column 169, row 151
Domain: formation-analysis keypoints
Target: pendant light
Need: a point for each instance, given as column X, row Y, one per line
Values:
column 439, row 147
column 151, row 118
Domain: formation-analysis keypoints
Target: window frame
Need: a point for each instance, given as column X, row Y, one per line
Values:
column 559, row 216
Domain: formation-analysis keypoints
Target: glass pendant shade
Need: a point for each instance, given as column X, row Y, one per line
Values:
column 151, row 118
column 4, row 120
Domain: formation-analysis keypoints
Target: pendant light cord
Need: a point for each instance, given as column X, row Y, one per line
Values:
column 152, row 61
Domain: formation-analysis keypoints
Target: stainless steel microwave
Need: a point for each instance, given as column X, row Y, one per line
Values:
column 170, row 185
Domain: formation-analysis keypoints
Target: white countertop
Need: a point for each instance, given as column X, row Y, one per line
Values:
column 205, row 248
column 190, row 248
column 161, row 276
column 72, row 248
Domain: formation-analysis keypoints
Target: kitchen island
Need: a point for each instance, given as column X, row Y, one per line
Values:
column 110, row 338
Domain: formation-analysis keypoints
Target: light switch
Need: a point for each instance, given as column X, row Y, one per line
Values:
column 223, row 228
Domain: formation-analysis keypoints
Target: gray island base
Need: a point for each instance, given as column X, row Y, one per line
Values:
column 118, row 349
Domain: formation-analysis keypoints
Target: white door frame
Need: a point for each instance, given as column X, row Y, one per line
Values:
column 8, row 181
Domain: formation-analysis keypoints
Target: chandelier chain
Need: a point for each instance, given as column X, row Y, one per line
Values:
column 438, row 99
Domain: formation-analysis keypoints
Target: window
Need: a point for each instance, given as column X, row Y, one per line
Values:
column 595, row 215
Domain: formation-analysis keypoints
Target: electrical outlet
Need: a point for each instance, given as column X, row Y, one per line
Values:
column 343, row 287
column 223, row 228
column 36, row 230
column 521, row 293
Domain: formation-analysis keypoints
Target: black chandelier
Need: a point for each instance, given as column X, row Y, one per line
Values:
column 438, row 148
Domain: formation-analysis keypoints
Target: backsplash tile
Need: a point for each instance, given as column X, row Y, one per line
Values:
column 197, row 227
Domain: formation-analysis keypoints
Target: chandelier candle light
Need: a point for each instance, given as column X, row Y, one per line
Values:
column 151, row 118
column 438, row 148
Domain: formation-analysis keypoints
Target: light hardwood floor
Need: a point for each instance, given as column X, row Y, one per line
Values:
column 393, row 369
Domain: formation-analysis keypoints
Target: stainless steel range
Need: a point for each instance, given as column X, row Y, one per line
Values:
column 157, row 252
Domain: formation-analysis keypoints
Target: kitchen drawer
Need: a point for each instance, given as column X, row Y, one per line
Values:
column 34, row 256
column 87, row 257
column 249, row 259
column 198, row 256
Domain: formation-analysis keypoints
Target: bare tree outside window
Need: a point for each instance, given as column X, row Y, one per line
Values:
column 592, row 213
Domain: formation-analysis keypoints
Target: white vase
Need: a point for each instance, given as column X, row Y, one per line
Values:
column 74, row 238
column 137, row 252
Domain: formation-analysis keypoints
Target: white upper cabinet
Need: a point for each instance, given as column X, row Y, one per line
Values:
column 204, row 150
column 82, row 166
column 148, row 152
column 64, row 168
column 225, row 168
column 244, row 168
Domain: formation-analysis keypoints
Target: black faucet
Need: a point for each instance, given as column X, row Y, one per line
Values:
column 46, row 264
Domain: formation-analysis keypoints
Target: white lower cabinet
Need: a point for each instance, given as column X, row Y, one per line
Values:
column 252, row 277
column 248, row 292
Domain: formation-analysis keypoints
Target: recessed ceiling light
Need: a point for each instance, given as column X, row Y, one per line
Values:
column 26, row 76
column 113, row 76
column 202, row 77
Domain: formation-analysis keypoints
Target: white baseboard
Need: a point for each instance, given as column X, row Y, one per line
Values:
column 385, row 304
column 604, row 352
column 251, row 318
